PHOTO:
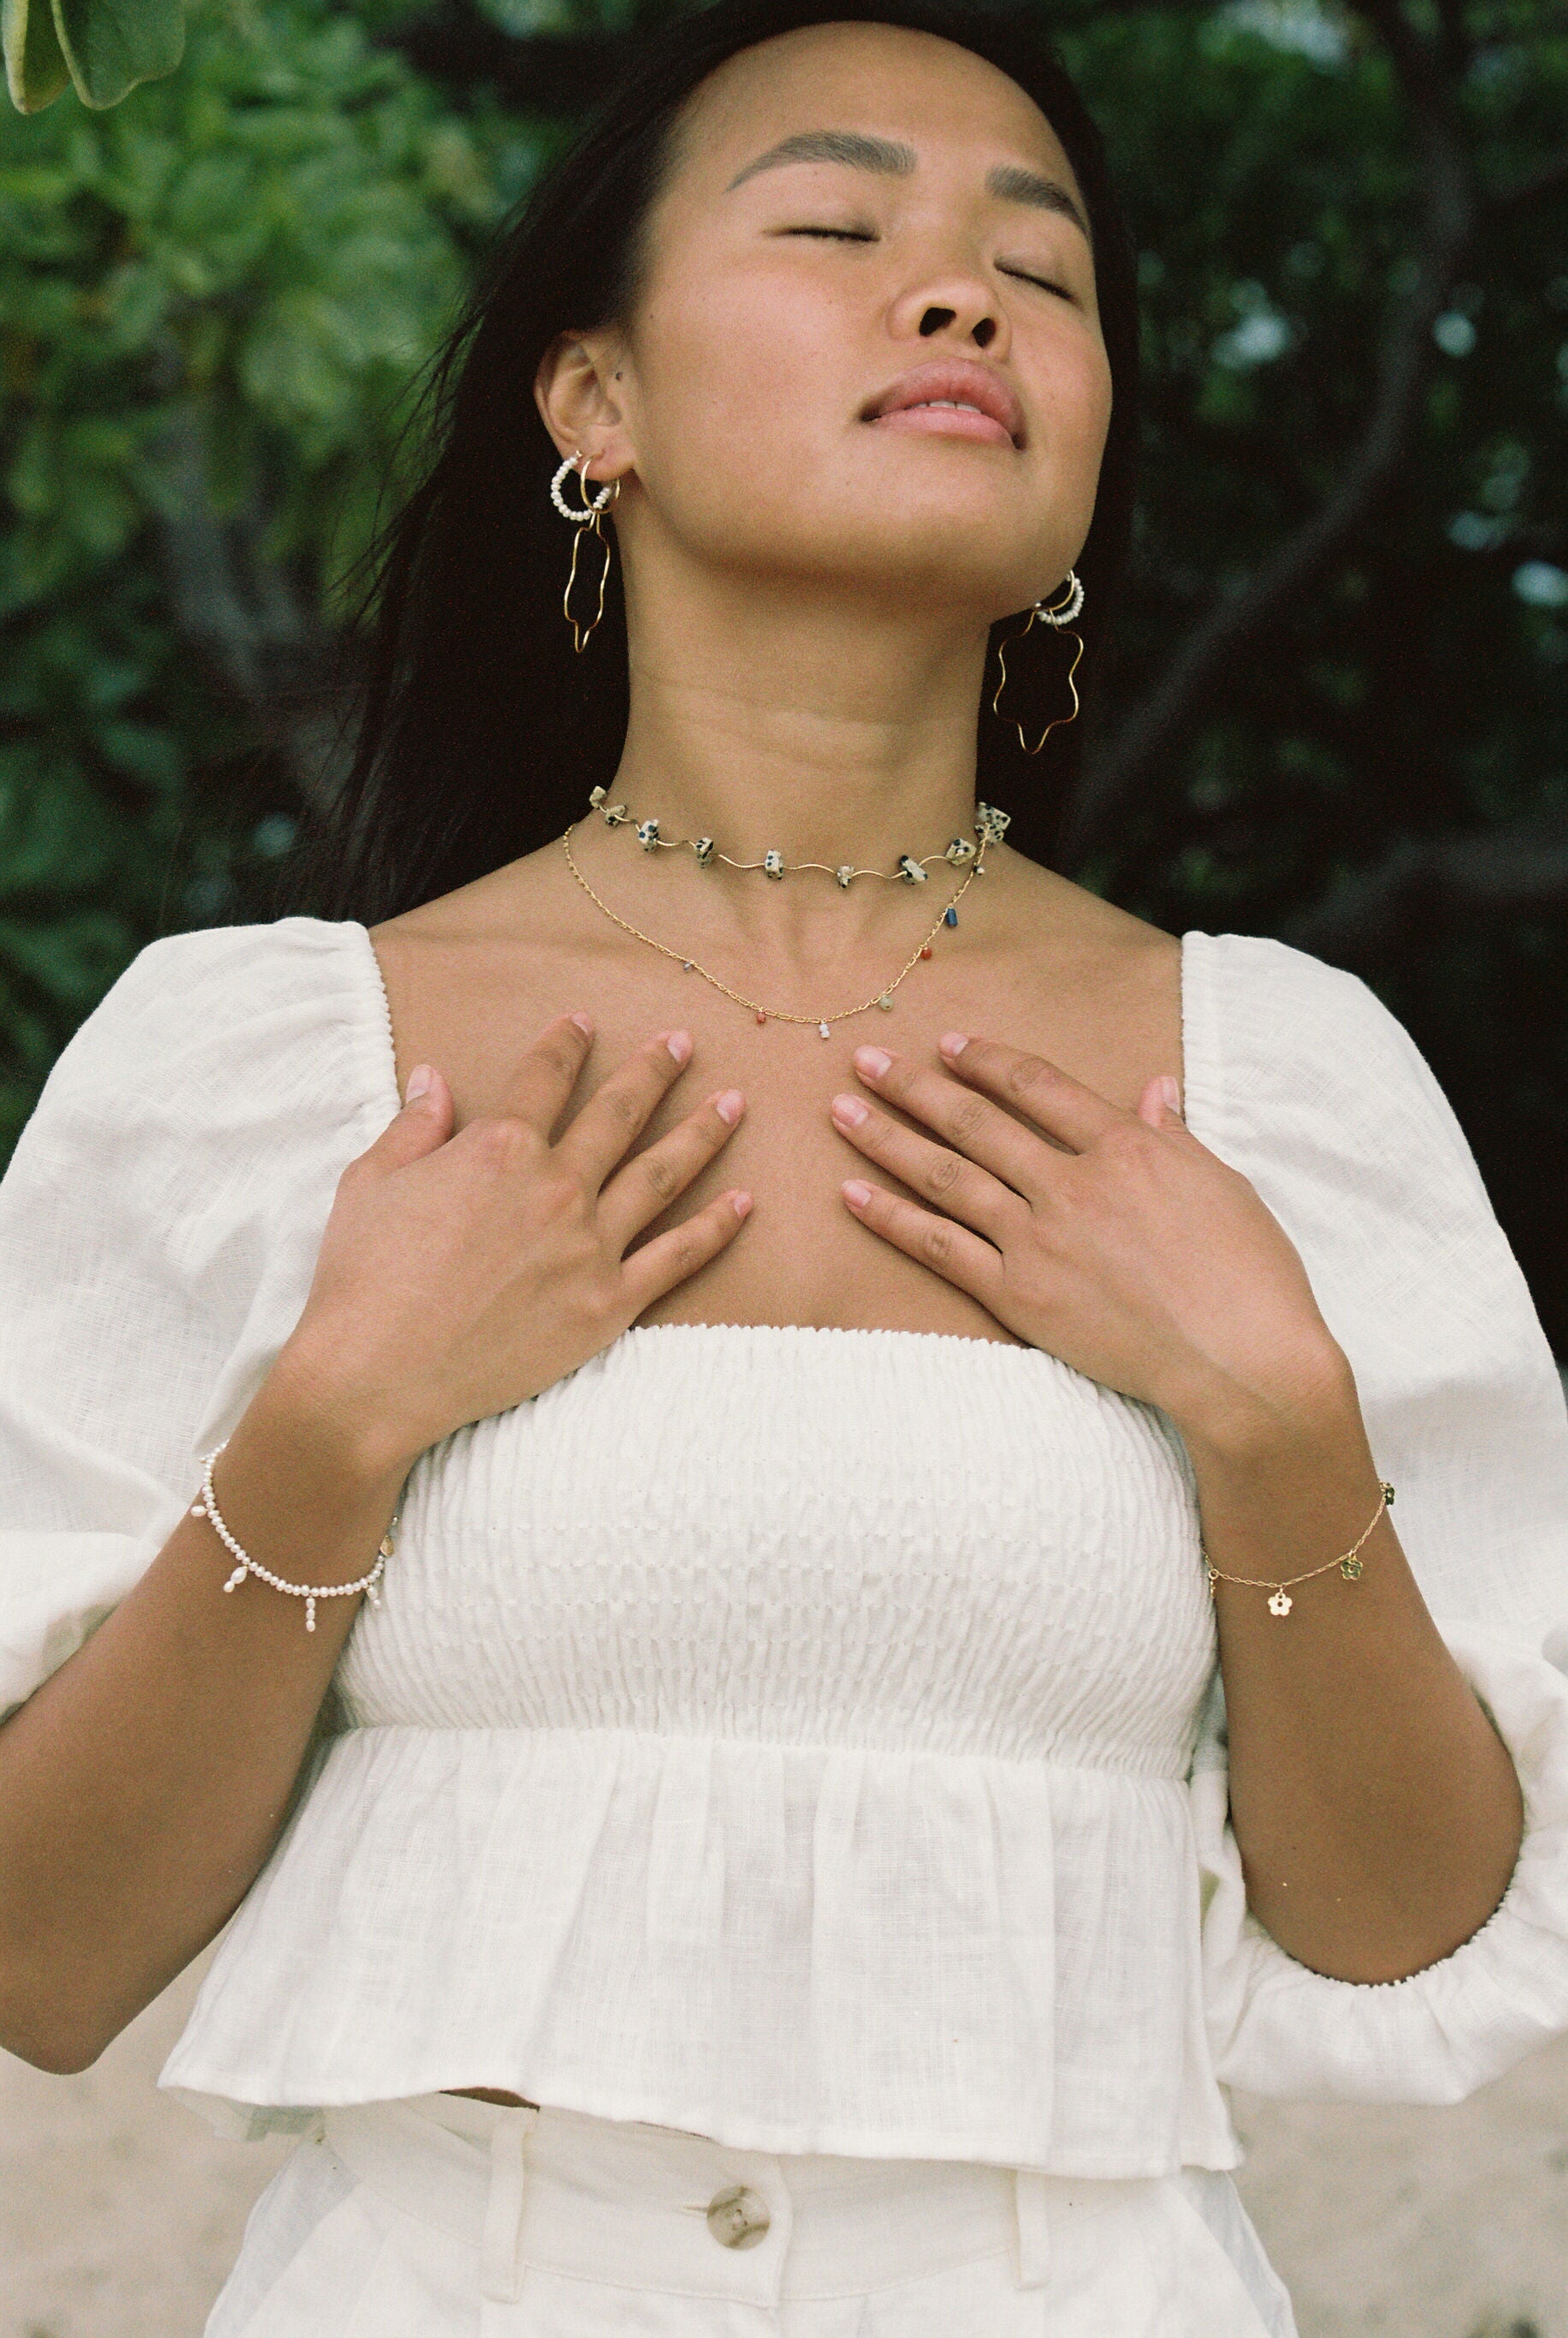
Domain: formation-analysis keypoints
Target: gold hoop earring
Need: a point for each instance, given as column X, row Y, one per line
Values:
column 587, row 518
column 1058, row 614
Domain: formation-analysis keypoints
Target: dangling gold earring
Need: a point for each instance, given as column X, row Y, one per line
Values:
column 587, row 518
column 1061, row 615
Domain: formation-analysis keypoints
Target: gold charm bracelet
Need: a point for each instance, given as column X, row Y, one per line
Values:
column 1280, row 1602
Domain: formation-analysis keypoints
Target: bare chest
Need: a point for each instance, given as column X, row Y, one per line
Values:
column 802, row 1258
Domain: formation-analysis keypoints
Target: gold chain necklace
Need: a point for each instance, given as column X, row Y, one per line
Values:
column 883, row 998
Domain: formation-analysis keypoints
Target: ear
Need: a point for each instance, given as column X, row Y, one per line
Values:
column 578, row 392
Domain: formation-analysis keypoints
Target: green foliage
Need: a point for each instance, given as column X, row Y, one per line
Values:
column 103, row 46
column 212, row 301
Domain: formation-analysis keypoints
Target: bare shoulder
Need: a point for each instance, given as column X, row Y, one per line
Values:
column 470, row 976
column 1100, row 988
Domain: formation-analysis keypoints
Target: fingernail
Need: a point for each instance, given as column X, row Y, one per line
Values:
column 1170, row 1093
column 741, row 1204
column 849, row 1109
column 729, row 1106
column 585, row 1023
column 856, row 1192
column 953, row 1043
column 419, row 1082
column 872, row 1061
column 679, row 1043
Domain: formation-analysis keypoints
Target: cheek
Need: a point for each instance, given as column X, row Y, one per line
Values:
column 1076, row 403
column 745, row 393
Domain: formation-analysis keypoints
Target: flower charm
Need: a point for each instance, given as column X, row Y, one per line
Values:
column 1280, row 1603
column 1350, row 1569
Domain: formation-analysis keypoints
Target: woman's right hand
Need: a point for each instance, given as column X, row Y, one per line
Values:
column 460, row 1274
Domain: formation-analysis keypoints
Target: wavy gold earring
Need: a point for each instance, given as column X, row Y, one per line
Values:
column 587, row 518
column 1058, row 614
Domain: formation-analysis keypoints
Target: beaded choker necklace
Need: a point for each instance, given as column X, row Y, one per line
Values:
column 961, row 854
column 989, row 827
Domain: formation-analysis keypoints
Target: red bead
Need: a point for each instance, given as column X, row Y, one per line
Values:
column 761, row 1014
column 926, row 951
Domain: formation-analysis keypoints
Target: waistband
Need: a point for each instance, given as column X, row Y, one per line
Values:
column 655, row 2207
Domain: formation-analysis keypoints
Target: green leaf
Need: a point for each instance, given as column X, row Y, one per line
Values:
column 35, row 67
column 110, row 45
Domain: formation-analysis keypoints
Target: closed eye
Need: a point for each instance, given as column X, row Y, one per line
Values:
column 836, row 234
column 1046, row 283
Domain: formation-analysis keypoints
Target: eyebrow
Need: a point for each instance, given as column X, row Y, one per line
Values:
column 1015, row 185
column 847, row 146
column 853, row 150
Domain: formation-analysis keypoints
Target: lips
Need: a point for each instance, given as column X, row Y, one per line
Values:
column 952, row 388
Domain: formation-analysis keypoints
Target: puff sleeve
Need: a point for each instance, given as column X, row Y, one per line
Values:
column 1298, row 1077
column 158, row 1223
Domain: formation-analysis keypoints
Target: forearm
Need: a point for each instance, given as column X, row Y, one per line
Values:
column 1378, row 1814
column 143, row 1785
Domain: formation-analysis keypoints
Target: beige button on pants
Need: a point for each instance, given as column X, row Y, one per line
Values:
column 445, row 2218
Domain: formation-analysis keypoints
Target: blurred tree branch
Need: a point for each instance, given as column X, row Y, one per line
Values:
column 1135, row 755
column 1367, row 918
column 235, row 604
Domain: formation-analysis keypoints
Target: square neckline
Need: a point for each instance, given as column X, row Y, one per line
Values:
column 393, row 1095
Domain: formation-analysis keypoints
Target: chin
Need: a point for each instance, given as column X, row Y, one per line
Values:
column 954, row 548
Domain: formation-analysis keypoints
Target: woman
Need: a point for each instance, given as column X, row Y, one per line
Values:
column 807, row 1365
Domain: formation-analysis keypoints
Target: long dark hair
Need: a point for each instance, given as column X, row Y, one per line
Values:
column 477, row 732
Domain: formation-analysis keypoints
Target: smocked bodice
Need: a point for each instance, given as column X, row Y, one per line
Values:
column 813, row 1538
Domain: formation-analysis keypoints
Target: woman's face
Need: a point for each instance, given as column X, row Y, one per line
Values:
column 866, row 350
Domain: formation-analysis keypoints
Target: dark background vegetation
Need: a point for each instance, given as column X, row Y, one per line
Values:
column 1339, row 712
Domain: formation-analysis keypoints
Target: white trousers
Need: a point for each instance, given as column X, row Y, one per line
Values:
column 440, row 2217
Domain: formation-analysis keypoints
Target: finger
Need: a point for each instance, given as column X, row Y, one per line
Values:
column 954, row 1254
column 934, row 1172
column 1075, row 1115
column 674, row 1257
column 647, row 1186
column 541, row 1086
column 982, row 1132
column 600, row 1138
column 424, row 1123
column 1160, row 1102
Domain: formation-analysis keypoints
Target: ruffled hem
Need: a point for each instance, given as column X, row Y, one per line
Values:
column 790, row 1950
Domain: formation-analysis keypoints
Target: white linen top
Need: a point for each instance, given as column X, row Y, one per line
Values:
column 805, row 1737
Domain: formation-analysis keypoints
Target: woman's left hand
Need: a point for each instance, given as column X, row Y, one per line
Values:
column 1112, row 1239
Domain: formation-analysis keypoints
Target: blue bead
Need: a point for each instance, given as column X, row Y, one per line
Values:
column 949, row 916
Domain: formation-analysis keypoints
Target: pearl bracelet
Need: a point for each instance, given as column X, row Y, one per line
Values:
column 207, row 1508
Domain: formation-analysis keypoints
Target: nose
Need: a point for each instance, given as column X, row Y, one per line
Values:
column 956, row 308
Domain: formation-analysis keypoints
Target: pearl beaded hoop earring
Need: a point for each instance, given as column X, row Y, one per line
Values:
column 576, row 467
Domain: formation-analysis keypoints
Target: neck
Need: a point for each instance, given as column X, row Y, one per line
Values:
column 776, row 720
